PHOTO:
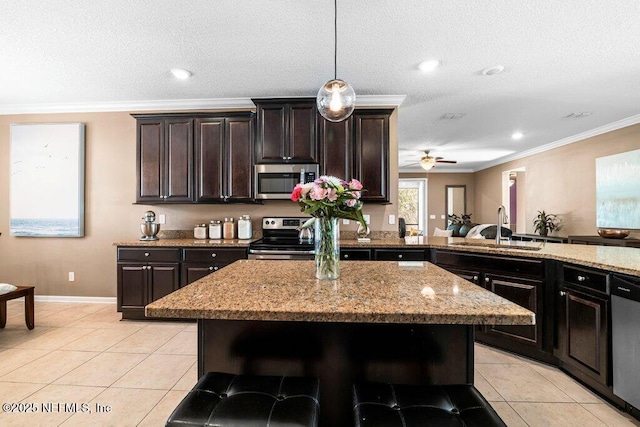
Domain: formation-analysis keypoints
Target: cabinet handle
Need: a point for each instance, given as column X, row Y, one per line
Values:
column 216, row 268
column 581, row 278
column 400, row 256
column 562, row 293
column 146, row 254
column 211, row 268
column 346, row 256
column 213, row 254
column 486, row 279
column 475, row 278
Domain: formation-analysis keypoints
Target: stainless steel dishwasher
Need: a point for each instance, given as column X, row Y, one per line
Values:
column 625, row 325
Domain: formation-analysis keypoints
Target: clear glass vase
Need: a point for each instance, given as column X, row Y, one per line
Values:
column 327, row 248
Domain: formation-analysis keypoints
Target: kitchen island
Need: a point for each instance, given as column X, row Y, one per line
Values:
column 383, row 321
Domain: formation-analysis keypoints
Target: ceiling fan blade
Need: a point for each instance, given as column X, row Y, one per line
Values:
column 411, row 164
column 446, row 161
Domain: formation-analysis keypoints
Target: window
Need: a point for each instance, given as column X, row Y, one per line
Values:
column 412, row 202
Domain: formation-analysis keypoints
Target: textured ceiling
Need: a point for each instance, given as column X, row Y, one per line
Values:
column 560, row 57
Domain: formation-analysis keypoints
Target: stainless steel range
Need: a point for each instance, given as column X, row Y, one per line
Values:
column 282, row 239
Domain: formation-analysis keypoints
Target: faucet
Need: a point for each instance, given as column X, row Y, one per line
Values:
column 501, row 216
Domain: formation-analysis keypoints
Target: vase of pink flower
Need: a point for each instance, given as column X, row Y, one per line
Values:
column 328, row 199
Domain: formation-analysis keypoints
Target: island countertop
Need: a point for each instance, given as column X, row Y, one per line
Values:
column 368, row 292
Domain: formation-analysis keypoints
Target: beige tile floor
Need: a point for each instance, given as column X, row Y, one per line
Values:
column 83, row 354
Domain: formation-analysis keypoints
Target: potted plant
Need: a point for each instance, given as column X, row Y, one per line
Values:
column 544, row 223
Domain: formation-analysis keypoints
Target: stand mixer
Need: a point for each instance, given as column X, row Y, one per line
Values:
column 149, row 227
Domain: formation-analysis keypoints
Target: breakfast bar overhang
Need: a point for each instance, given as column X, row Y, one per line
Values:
column 394, row 322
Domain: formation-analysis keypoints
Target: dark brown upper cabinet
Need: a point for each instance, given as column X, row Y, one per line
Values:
column 286, row 131
column 224, row 161
column 164, row 159
column 359, row 148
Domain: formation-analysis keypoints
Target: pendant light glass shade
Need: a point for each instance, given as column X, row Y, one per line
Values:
column 336, row 100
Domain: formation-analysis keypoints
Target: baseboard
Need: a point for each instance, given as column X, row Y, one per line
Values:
column 66, row 298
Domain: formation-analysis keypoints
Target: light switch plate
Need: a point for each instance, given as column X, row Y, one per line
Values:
column 72, row 276
column 432, row 217
column 345, row 222
column 442, row 217
column 392, row 219
column 367, row 218
column 161, row 219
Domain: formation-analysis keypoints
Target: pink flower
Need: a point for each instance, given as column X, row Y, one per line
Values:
column 295, row 194
column 318, row 193
column 307, row 187
column 354, row 184
column 351, row 202
column 356, row 194
column 332, row 195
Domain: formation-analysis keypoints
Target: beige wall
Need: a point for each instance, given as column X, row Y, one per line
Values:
column 559, row 181
column 436, row 183
column 110, row 214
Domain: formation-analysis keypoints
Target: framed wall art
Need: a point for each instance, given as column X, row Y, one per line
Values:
column 618, row 191
column 47, row 180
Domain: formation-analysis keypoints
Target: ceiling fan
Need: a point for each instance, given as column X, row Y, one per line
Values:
column 428, row 162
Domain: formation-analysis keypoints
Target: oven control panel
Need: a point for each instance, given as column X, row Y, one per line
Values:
column 283, row 223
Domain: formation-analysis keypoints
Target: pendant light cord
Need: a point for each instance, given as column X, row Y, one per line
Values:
column 335, row 39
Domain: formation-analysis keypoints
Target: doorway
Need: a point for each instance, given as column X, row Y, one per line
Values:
column 513, row 199
column 412, row 202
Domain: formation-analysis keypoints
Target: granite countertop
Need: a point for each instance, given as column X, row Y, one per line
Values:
column 372, row 292
column 611, row 258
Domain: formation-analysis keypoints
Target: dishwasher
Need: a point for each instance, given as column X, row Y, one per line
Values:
column 625, row 325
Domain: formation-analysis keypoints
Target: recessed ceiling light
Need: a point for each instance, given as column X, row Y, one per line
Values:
column 517, row 135
column 429, row 65
column 492, row 71
column 180, row 73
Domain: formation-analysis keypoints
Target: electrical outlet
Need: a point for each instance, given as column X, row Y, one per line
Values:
column 346, row 222
column 392, row 219
column 442, row 217
column 162, row 219
column 367, row 218
column 432, row 217
column 72, row 276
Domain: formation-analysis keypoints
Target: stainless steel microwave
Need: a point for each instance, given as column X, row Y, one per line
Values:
column 276, row 181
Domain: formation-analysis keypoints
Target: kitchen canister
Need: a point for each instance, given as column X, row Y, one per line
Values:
column 200, row 231
column 215, row 229
column 245, row 230
column 229, row 229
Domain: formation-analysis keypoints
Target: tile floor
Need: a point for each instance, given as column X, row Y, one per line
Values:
column 83, row 354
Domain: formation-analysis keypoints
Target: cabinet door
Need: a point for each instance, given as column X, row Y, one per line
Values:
column 271, row 133
column 302, row 144
column 178, row 160
column 150, row 157
column 209, row 146
column 336, row 145
column 399, row 254
column 525, row 293
column 239, row 166
column 355, row 254
column 372, row 154
column 132, row 286
column 193, row 271
column 163, row 279
column 586, row 334
column 470, row 275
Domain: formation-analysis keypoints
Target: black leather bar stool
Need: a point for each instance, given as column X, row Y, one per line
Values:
column 227, row 400
column 391, row 405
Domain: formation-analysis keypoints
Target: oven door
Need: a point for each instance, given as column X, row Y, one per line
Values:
column 280, row 254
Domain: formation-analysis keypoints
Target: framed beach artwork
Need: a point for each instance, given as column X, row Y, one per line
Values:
column 618, row 191
column 47, row 180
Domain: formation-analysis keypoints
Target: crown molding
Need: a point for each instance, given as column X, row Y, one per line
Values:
column 173, row 105
column 629, row 121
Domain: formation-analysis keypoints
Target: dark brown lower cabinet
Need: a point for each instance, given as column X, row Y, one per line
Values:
column 201, row 262
column 139, row 284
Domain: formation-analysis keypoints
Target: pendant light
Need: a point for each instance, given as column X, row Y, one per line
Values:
column 336, row 98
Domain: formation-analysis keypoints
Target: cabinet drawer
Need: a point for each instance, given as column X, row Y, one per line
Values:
column 149, row 255
column 355, row 254
column 399, row 255
column 214, row 254
column 589, row 279
column 503, row 265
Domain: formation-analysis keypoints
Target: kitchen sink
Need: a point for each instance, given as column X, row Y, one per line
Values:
column 525, row 246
